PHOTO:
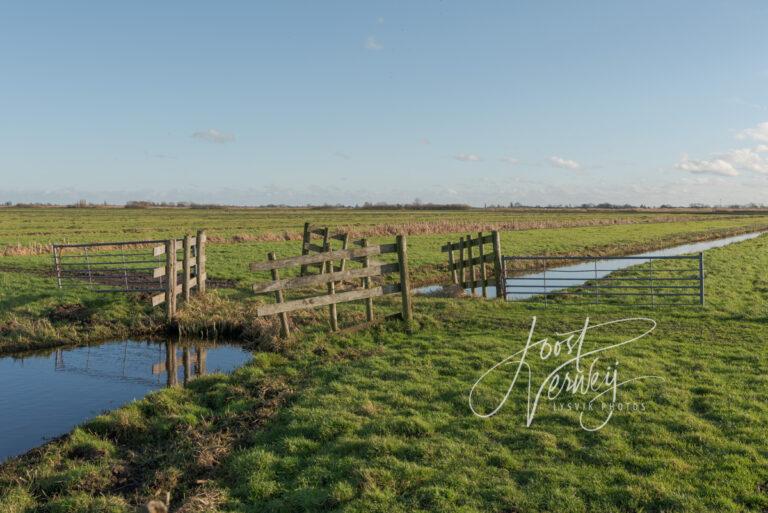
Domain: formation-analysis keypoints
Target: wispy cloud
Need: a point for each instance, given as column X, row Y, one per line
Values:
column 371, row 43
column 512, row 161
column 468, row 157
column 564, row 163
column 758, row 133
column 214, row 136
column 425, row 141
column 380, row 20
column 341, row 155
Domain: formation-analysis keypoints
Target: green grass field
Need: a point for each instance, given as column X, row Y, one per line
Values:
column 380, row 421
column 31, row 305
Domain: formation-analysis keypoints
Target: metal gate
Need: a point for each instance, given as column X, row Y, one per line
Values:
column 630, row 280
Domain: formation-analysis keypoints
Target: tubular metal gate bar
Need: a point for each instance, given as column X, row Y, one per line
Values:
column 630, row 280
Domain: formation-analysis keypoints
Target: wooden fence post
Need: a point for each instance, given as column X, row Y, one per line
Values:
column 304, row 249
column 200, row 263
column 170, row 282
column 452, row 264
column 483, row 273
column 405, row 281
column 461, row 263
column 186, row 268
column 471, row 265
column 328, row 267
column 498, row 266
column 285, row 329
column 367, row 283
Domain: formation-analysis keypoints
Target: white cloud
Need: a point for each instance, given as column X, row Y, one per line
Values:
column 510, row 160
column 758, row 133
column 729, row 163
column 564, row 163
column 716, row 166
column 468, row 157
column 214, row 136
column 371, row 43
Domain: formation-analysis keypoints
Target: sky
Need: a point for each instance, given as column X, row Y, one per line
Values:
column 490, row 102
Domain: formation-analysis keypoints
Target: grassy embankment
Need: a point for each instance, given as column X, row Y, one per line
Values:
column 379, row 421
column 35, row 314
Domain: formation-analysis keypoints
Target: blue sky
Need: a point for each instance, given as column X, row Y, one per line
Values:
column 328, row 101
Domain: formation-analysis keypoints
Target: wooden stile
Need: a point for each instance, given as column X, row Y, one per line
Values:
column 186, row 267
column 483, row 276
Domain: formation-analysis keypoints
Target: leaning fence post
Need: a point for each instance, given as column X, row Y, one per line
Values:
column 452, row 264
column 304, row 249
column 701, row 278
column 170, row 282
column 405, row 281
column 200, row 263
column 285, row 329
column 186, row 267
column 328, row 266
column 498, row 266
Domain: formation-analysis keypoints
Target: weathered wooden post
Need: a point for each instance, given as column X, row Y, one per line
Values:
column 170, row 279
column 328, row 267
column 471, row 264
column 367, row 283
column 305, row 246
column 200, row 261
column 187, row 367
column 186, row 267
column 452, row 264
column 461, row 263
column 405, row 281
column 701, row 278
column 285, row 329
column 483, row 274
column 498, row 266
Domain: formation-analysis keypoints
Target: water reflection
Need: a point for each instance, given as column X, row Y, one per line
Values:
column 191, row 365
column 51, row 391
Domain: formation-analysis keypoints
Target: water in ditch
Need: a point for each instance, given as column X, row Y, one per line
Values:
column 581, row 271
column 45, row 394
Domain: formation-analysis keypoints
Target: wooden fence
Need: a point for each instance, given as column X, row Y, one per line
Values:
column 469, row 269
column 334, row 275
column 192, row 270
column 135, row 267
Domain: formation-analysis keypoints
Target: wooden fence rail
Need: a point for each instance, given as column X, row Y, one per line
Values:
column 333, row 275
column 470, row 270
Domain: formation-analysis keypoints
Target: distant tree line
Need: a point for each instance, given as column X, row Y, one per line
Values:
column 414, row 205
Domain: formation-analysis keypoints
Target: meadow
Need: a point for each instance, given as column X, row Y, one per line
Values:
column 34, row 313
column 380, row 420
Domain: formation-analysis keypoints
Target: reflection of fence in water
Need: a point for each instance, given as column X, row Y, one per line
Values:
column 193, row 363
column 637, row 280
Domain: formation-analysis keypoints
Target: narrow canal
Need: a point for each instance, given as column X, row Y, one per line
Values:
column 47, row 393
